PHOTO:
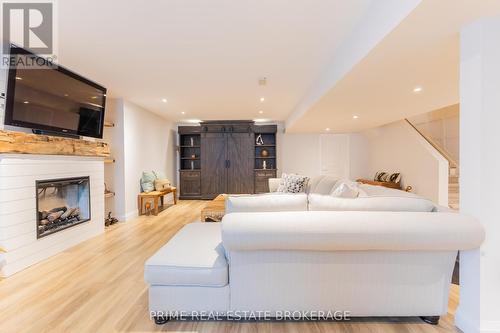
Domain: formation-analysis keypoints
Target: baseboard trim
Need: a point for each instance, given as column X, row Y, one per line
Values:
column 128, row 216
column 467, row 325
column 490, row 326
column 464, row 323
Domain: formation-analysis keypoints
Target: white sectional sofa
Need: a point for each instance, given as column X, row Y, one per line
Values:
column 310, row 253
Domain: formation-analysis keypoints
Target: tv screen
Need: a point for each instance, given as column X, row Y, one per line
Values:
column 51, row 98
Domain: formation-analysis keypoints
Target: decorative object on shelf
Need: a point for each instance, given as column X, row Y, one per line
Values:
column 107, row 192
column 193, row 156
column 192, row 165
column 192, row 141
column 264, row 153
column 264, row 165
column 110, row 220
column 259, row 141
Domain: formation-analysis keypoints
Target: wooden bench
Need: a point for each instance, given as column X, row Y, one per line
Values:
column 157, row 197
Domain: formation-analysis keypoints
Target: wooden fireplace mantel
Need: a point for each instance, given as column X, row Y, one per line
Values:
column 25, row 143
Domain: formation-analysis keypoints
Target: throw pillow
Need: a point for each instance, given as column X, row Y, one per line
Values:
column 380, row 176
column 161, row 184
column 383, row 176
column 291, row 183
column 159, row 174
column 395, row 177
column 147, row 181
column 345, row 189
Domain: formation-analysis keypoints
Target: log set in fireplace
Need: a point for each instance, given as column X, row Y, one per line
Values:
column 61, row 204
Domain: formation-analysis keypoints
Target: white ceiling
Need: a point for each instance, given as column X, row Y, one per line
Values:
column 423, row 50
column 325, row 60
column 205, row 57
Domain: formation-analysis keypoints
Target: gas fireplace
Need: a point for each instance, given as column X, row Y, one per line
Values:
column 61, row 204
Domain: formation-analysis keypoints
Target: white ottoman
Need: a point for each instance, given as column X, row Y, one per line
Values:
column 189, row 274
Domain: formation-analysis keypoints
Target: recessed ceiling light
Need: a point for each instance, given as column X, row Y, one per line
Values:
column 327, row 129
column 18, row 78
column 262, row 99
column 164, row 100
column 261, row 112
column 355, row 117
column 26, row 102
column 183, row 112
column 417, row 89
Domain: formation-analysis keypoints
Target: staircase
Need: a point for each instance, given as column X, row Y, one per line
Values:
column 453, row 189
column 440, row 128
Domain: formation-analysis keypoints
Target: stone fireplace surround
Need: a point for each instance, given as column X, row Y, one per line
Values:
column 18, row 211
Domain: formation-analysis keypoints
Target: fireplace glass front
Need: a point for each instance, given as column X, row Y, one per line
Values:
column 61, row 204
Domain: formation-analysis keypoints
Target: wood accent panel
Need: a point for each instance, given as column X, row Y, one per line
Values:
column 98, row 286
column 265, row 129
column 213, row 161
column 262, row 180
column 190, row 183
column 189, row 129
column 24, row 143
column 240, row 168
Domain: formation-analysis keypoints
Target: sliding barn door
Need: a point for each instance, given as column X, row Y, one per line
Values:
column 240, row 151
column 213, row 164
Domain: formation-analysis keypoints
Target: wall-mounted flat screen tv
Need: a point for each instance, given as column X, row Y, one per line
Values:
column 51, row 98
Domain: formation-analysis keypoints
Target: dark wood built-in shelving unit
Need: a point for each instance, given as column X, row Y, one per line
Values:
column 224, row 157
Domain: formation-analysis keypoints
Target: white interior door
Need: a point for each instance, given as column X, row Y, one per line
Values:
column 334, row 155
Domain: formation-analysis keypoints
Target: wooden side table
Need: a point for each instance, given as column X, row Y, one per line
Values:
column 157, row 197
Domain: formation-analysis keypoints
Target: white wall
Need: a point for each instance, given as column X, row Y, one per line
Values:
column 397, row 147
column 479, row 308
column 148, row 144
column 320, row 154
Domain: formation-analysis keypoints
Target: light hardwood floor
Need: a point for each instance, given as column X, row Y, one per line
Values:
column 98, row 286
